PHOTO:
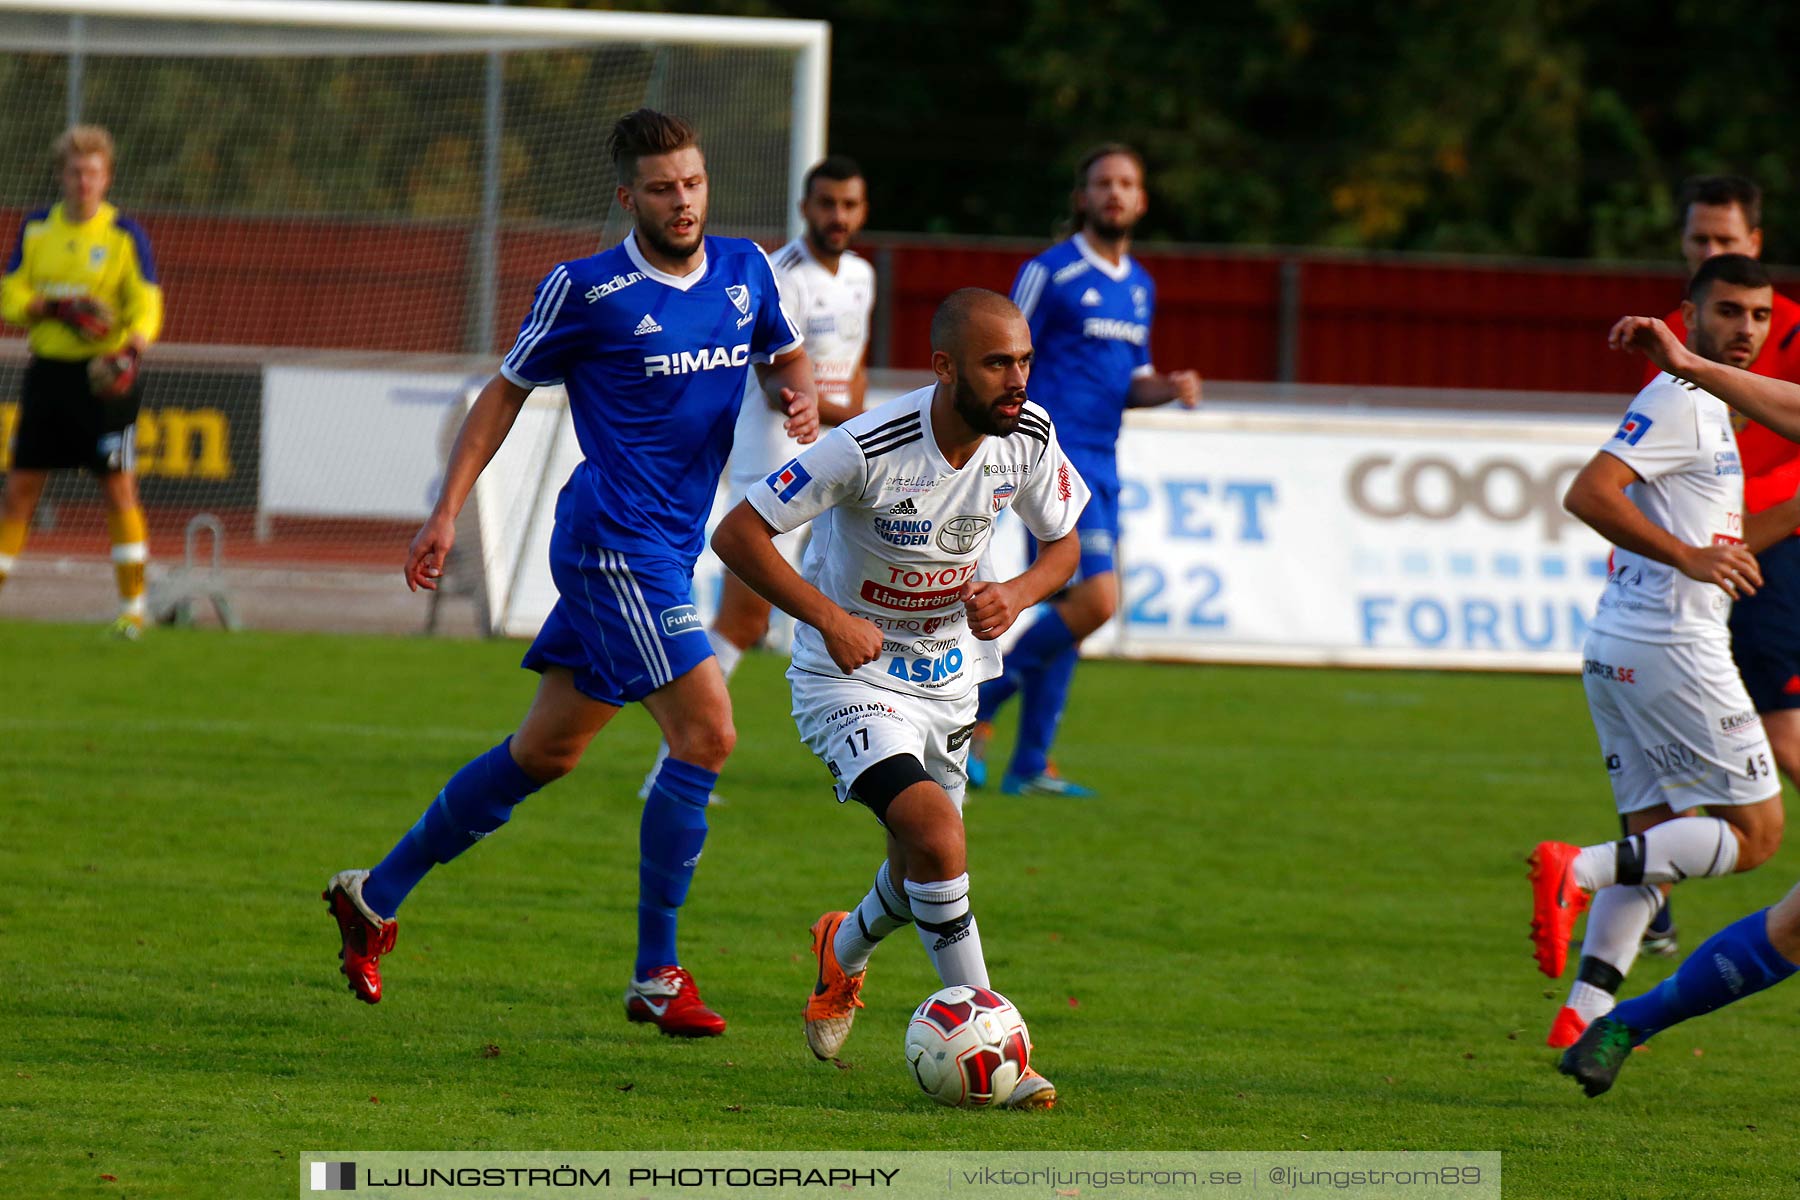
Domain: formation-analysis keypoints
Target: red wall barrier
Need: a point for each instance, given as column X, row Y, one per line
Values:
column 1373, row 321
column 1425, row 325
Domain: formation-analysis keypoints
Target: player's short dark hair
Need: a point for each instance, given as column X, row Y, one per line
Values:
column 1739, row 270
column 954, row 312
column 1085, row 164
column 1723, row 190
column 836, row 167
column 645, row 132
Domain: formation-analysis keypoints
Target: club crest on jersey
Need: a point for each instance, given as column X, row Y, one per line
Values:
column 1633, row 428
column 739, row 295
column 1003, row 495
column 1140, row 302
column 788, row 481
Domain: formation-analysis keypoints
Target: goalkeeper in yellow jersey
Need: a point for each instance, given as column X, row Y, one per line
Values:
column 82, row 280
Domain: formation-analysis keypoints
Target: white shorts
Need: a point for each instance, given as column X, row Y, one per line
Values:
column 852, row 726
column 1676, row 725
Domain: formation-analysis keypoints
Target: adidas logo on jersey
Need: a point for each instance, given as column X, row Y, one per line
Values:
column 1091, row 298
column 648, row 325
column 906, row 508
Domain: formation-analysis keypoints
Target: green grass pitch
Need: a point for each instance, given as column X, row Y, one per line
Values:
column 1295, row 921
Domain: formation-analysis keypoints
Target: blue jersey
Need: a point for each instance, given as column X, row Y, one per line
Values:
column 655, row 366
column 1090, row 328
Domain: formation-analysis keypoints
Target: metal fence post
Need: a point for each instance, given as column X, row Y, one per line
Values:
column 1287, row 332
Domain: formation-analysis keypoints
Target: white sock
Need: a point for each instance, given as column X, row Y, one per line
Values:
column 1666, row 853
column 948, row 929
column 1615, row 929
column 728, row 656
column 881, row 912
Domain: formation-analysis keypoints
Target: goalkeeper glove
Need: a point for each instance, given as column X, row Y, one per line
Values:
column 89, row 318
column 110, row 376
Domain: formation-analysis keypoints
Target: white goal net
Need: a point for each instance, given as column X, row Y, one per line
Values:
column 349, row 205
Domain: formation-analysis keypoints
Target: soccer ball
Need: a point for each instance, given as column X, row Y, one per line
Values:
column 967, row 1047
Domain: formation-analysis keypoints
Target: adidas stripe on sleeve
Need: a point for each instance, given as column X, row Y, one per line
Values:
column 536, row 359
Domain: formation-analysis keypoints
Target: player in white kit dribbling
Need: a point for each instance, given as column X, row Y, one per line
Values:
column 897, row 626
column 1677, row 728
column 830, row 291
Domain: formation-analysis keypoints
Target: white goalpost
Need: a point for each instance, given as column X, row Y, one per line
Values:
column 349, row 204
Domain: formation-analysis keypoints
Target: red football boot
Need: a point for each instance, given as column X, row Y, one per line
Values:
column 1566, row 1030
column 670, row 1001
column 1556, row 901
column 366, row 936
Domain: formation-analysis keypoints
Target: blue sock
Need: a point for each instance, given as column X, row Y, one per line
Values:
column 1664, row 919
column 478, row 800
column 1047, row 637
column 992, row 696
column 1731, row 964
column 669, row 842
column 1040, row 712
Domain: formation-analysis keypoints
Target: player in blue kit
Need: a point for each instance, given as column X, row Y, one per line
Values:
column 1748, row 956
column 1090, row 307
column 653, row 340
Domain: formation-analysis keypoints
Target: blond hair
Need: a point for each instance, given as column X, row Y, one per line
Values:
column 80, row 140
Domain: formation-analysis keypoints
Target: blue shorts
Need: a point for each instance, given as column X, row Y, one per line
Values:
column 1765, row 631
column 1098, row 525
column 625, row 628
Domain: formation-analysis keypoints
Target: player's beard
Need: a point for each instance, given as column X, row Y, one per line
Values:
column 980, row 414
column 1713, row 350
column 1108, row 231
column 660, row 240
column 827, row 239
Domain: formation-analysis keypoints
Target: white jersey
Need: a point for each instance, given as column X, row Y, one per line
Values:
column 1678, row 438
column 899, row 532
column 832, row 311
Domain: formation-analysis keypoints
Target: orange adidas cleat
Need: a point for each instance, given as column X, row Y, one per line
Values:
column 1556, row 901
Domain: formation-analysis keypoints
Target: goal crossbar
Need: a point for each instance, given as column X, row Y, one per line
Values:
column 469, row 19
column 810, row 40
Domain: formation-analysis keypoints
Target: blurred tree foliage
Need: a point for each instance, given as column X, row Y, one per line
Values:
column 1539, row 127
column 1542, row 127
